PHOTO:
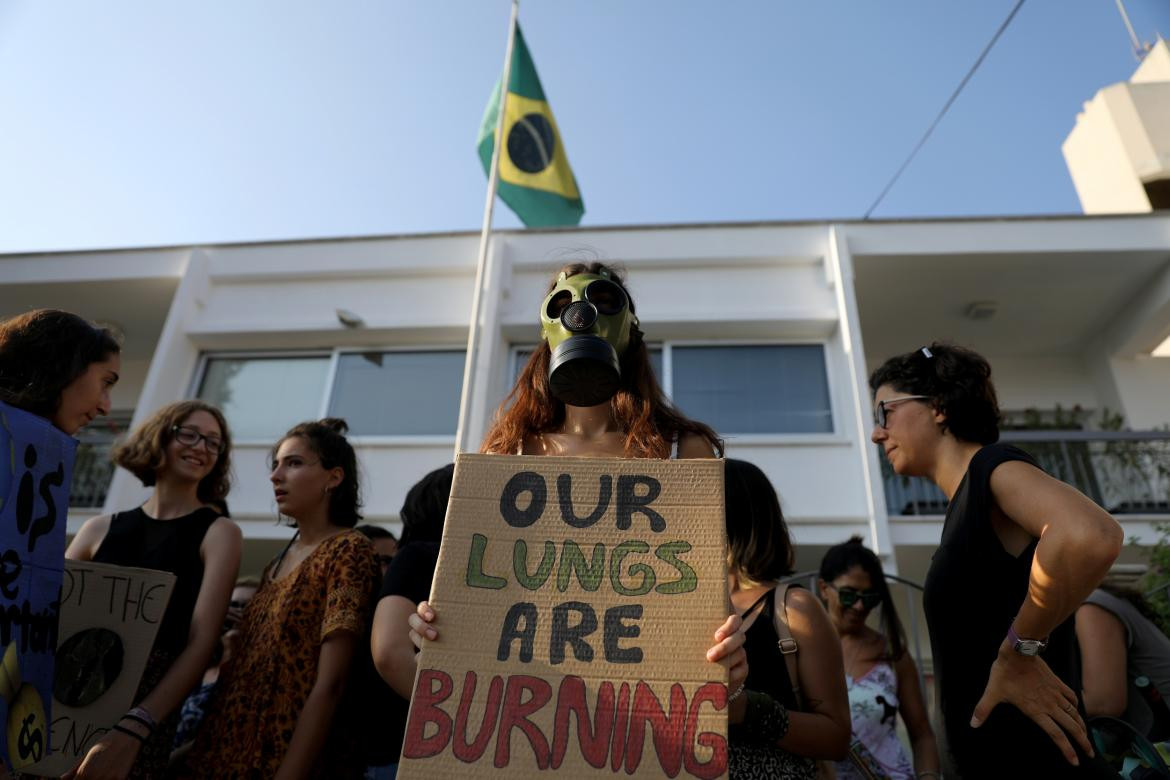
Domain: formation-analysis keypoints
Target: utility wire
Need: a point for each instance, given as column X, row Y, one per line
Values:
column 946, row 107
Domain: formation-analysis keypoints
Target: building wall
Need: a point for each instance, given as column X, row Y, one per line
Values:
column 729, row 284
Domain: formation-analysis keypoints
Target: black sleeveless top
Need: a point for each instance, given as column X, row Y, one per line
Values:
column 136, row 539
column 973, row 591
column 767, row 672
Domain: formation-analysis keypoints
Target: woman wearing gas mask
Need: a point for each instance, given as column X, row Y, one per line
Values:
column 589, row 390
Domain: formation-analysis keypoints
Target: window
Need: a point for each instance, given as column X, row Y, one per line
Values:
column 742, row 388
column 92, row 467
column 379, row 393
column 262, row 397
column 753, row 389
column 398, row 393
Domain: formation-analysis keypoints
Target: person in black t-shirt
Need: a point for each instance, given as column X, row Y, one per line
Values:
column 406, row 584
column 1019, row 553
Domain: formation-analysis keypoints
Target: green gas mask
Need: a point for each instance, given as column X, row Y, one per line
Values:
column 586, row 320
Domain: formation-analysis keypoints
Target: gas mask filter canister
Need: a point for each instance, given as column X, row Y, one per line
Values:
column 586, row 320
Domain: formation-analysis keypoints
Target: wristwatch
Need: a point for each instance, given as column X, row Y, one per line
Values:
column 1029, row 647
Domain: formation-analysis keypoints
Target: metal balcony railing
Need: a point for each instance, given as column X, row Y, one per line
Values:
column 1126, row 472
column 908, row 612
column 92, row 468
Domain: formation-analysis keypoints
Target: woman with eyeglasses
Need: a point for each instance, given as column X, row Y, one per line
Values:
column 184, row 452
column 284, row 707
column 1020, row 551
column 880, row 674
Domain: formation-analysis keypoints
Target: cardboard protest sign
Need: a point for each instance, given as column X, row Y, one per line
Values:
column 576, row 600
column 109, row 616
column 36, row 468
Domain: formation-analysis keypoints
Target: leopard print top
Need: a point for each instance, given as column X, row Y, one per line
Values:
column 254, row 711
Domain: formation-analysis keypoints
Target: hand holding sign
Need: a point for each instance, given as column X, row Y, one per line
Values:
column 576, row 589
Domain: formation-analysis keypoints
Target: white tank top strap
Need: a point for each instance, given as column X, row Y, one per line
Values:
column 674, row 448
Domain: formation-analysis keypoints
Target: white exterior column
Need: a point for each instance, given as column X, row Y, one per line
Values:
column 492, row 358
column 175, row 357
column 840, row 266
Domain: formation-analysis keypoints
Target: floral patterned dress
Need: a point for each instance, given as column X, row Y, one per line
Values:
column 254, row 711
column 873, row 708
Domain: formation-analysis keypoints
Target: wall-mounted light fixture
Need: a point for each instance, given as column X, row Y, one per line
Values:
column 981, row 310
column 349, row 319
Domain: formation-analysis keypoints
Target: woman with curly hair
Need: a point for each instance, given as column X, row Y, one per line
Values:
column 58, row 366
column 1019, row 553
column 184, row 452
column 278, row 710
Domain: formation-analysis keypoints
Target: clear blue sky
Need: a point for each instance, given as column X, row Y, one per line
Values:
column 134, row 122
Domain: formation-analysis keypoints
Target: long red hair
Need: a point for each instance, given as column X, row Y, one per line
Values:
column 650, row 423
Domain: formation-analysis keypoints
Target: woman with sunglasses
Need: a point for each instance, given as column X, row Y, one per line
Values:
column 1020, row 551
column 183, row 452
column 879, row 672
column 589, row 390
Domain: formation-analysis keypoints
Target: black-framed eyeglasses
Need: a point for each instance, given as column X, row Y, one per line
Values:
column 850, row 596
column 189, row 437
column 881, row 411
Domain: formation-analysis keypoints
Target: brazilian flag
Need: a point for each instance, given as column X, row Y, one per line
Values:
column 535, row 179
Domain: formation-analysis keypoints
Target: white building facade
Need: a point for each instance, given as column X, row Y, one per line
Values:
column 765, row 331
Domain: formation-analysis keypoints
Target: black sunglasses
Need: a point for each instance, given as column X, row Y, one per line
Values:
column 849, row 597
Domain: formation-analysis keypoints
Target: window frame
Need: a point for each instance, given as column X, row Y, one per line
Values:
column 334, row 358
column 832, row 437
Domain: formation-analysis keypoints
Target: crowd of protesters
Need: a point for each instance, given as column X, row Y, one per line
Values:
column 308, row 670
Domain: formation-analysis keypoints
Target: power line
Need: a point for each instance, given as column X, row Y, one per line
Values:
column 946, row 107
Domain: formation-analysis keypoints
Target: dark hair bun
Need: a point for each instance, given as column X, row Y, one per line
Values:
column 335, row 424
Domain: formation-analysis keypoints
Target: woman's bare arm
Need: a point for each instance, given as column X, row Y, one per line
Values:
column 390, row 644
column 822, row 731
column 1102, row 639
column 913, row 709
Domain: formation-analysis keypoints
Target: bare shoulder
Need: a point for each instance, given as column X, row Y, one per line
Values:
column 89, row 538
column 1096, row 617
column 224, row 531
column 803, row 605
column 1017, row 474
column 692, row 445
column 905, row 666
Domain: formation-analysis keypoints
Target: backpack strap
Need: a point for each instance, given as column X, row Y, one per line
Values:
column 785, row 642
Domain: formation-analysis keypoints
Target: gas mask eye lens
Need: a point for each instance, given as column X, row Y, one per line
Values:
column 606, row 296
column 557, row 304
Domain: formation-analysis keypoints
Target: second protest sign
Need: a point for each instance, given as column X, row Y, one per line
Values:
column 576, row 599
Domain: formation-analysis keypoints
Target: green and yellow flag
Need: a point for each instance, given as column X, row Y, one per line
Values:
column 535, row 178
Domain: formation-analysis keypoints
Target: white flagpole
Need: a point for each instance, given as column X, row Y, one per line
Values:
column 484, row 238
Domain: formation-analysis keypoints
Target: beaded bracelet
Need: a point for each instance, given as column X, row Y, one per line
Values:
column 737, row 694
column 141, row 715
column 140, row 721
